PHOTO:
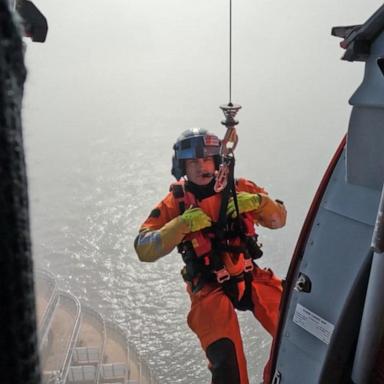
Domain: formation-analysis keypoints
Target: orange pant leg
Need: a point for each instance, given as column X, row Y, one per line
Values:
column 266, row 296
column 212, row 318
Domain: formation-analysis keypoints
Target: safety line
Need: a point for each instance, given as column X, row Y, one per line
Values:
column 230, row 51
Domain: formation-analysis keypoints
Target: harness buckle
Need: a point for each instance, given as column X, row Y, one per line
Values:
column 222, row 275
column 248, row 265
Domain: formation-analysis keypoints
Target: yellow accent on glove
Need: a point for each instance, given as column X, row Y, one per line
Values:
column 196, row 219
column 247, row 202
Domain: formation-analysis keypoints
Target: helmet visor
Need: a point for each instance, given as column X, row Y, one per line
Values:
column 198, row 147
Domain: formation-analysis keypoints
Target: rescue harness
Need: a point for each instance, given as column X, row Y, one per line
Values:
column 203, row 251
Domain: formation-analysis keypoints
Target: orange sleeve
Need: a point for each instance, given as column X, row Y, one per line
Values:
column 271, row 213
column 161, row 231
column 244, row 185
column 164, row 212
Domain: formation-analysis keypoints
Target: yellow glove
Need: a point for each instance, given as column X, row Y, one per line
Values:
column 196, row 219
column 246, row 201
column 150, row 245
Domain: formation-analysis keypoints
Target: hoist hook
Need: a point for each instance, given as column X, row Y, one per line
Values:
column 228, row 145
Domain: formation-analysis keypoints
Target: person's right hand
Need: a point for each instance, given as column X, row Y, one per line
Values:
column 196, row 219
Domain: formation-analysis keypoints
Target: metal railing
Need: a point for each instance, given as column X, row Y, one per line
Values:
column 145, row 374
column 69, row 298
column 99, row 321
column 135, row 362
column 48, row 282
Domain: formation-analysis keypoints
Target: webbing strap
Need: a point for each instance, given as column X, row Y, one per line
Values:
column 218, row 266
column 178, row 193
column 228, row 190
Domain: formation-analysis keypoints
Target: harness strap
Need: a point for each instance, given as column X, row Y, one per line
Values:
column 178, row 194
column 192, row 272
column 214, row 258
column 236, row 249
column 223, row 225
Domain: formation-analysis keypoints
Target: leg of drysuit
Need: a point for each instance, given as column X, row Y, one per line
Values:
column 214, row 320
column 266, row 296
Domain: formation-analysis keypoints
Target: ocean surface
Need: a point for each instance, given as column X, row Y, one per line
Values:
column 106, row 97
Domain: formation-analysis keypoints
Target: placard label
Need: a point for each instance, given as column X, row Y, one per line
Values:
column 312, row 323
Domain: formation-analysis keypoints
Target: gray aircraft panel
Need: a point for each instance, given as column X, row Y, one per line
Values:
column 370, row 92
column 293, row 367
column 333, row 283
column 353, row 201
column 337, row 246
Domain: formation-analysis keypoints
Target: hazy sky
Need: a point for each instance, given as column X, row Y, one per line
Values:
column 115, row 62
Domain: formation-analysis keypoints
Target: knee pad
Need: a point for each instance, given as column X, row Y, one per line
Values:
column 223, row 362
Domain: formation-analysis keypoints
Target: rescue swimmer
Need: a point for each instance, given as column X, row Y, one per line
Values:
column 220, row 269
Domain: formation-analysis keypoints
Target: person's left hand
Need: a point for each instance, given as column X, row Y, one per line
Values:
column 246, row 201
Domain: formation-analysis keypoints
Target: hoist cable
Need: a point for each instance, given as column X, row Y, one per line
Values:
column 230, row 52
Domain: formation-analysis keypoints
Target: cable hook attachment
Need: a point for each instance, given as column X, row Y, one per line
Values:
column 228, row 145
column 230, row 140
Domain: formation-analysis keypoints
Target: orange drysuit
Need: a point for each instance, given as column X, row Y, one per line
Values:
column 212, row 315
